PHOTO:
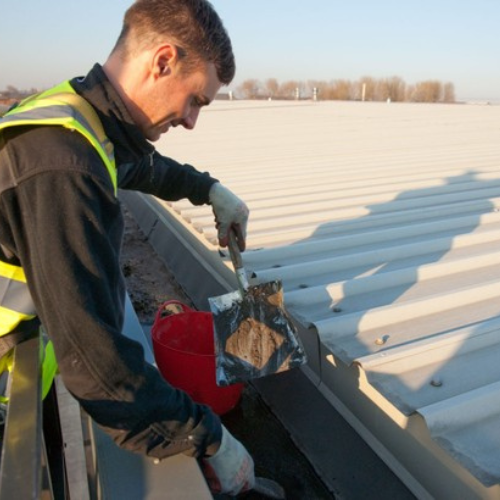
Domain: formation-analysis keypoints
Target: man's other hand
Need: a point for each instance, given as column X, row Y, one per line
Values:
column 231, row 469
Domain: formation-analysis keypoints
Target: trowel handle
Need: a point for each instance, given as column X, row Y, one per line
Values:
column 234, row 252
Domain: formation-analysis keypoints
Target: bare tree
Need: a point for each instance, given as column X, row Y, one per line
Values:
column 288, row 89
column 249, row 89
column 317, row 89
column 340, row 90
column 409, row 93
column 366, row 89
column 12, row 92
column 392, row 89
column 271, row 87
column 449, row 92
column 427, row 91
column 321, row 88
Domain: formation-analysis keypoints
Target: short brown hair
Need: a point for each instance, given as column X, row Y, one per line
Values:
column 192, row 25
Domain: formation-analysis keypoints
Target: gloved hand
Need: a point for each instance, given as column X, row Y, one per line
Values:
column 231, row 213
column 231, row 469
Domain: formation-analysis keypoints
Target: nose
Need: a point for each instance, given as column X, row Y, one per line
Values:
column 190, row 121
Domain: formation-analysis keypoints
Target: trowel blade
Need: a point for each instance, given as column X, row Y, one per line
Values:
column 254, row 335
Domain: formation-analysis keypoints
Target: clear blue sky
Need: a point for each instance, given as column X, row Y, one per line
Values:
column 45, row 41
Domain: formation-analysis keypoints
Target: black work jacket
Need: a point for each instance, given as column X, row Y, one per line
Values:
column 60, row 220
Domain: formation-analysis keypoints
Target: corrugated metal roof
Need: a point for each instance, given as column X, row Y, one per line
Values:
column 383, row 222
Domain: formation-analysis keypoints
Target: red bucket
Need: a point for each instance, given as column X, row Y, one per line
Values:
column 183, row 346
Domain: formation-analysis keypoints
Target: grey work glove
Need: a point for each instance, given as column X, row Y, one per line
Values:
column 231, row 213
column 231, row 469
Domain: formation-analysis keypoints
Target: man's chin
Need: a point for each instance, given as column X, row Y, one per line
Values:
column 156, row 133
column 153, row 135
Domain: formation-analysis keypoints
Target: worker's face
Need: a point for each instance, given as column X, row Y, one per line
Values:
column 178, row 98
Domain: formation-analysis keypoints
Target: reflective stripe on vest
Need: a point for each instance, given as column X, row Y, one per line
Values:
column 15, row 300
column 62, row 106
column 59, row 106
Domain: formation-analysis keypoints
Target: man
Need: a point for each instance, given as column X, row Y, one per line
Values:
column 60, row 221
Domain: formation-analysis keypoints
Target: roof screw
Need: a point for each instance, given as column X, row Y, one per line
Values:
column 276, row 266
column 382, row 340
column 436, row 382
column 156, row 461
column 337, row 309
column 303, row 285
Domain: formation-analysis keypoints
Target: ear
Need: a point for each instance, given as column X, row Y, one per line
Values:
column 165, row 60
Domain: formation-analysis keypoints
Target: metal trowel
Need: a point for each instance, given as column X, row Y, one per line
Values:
column 254, row 335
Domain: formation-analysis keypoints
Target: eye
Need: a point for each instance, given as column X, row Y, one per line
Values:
column 197, row 102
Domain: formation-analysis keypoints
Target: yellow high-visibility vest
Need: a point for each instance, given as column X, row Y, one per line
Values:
column 59, row 106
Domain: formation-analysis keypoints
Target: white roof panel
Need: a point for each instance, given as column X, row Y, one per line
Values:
column 383, row 222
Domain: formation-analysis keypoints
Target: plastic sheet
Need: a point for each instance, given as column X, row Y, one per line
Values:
column 254, row 335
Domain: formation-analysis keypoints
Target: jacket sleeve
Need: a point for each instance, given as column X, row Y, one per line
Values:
column 68, row 225
column 165, row 178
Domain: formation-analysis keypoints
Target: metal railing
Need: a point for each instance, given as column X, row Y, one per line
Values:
column 32, row 458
